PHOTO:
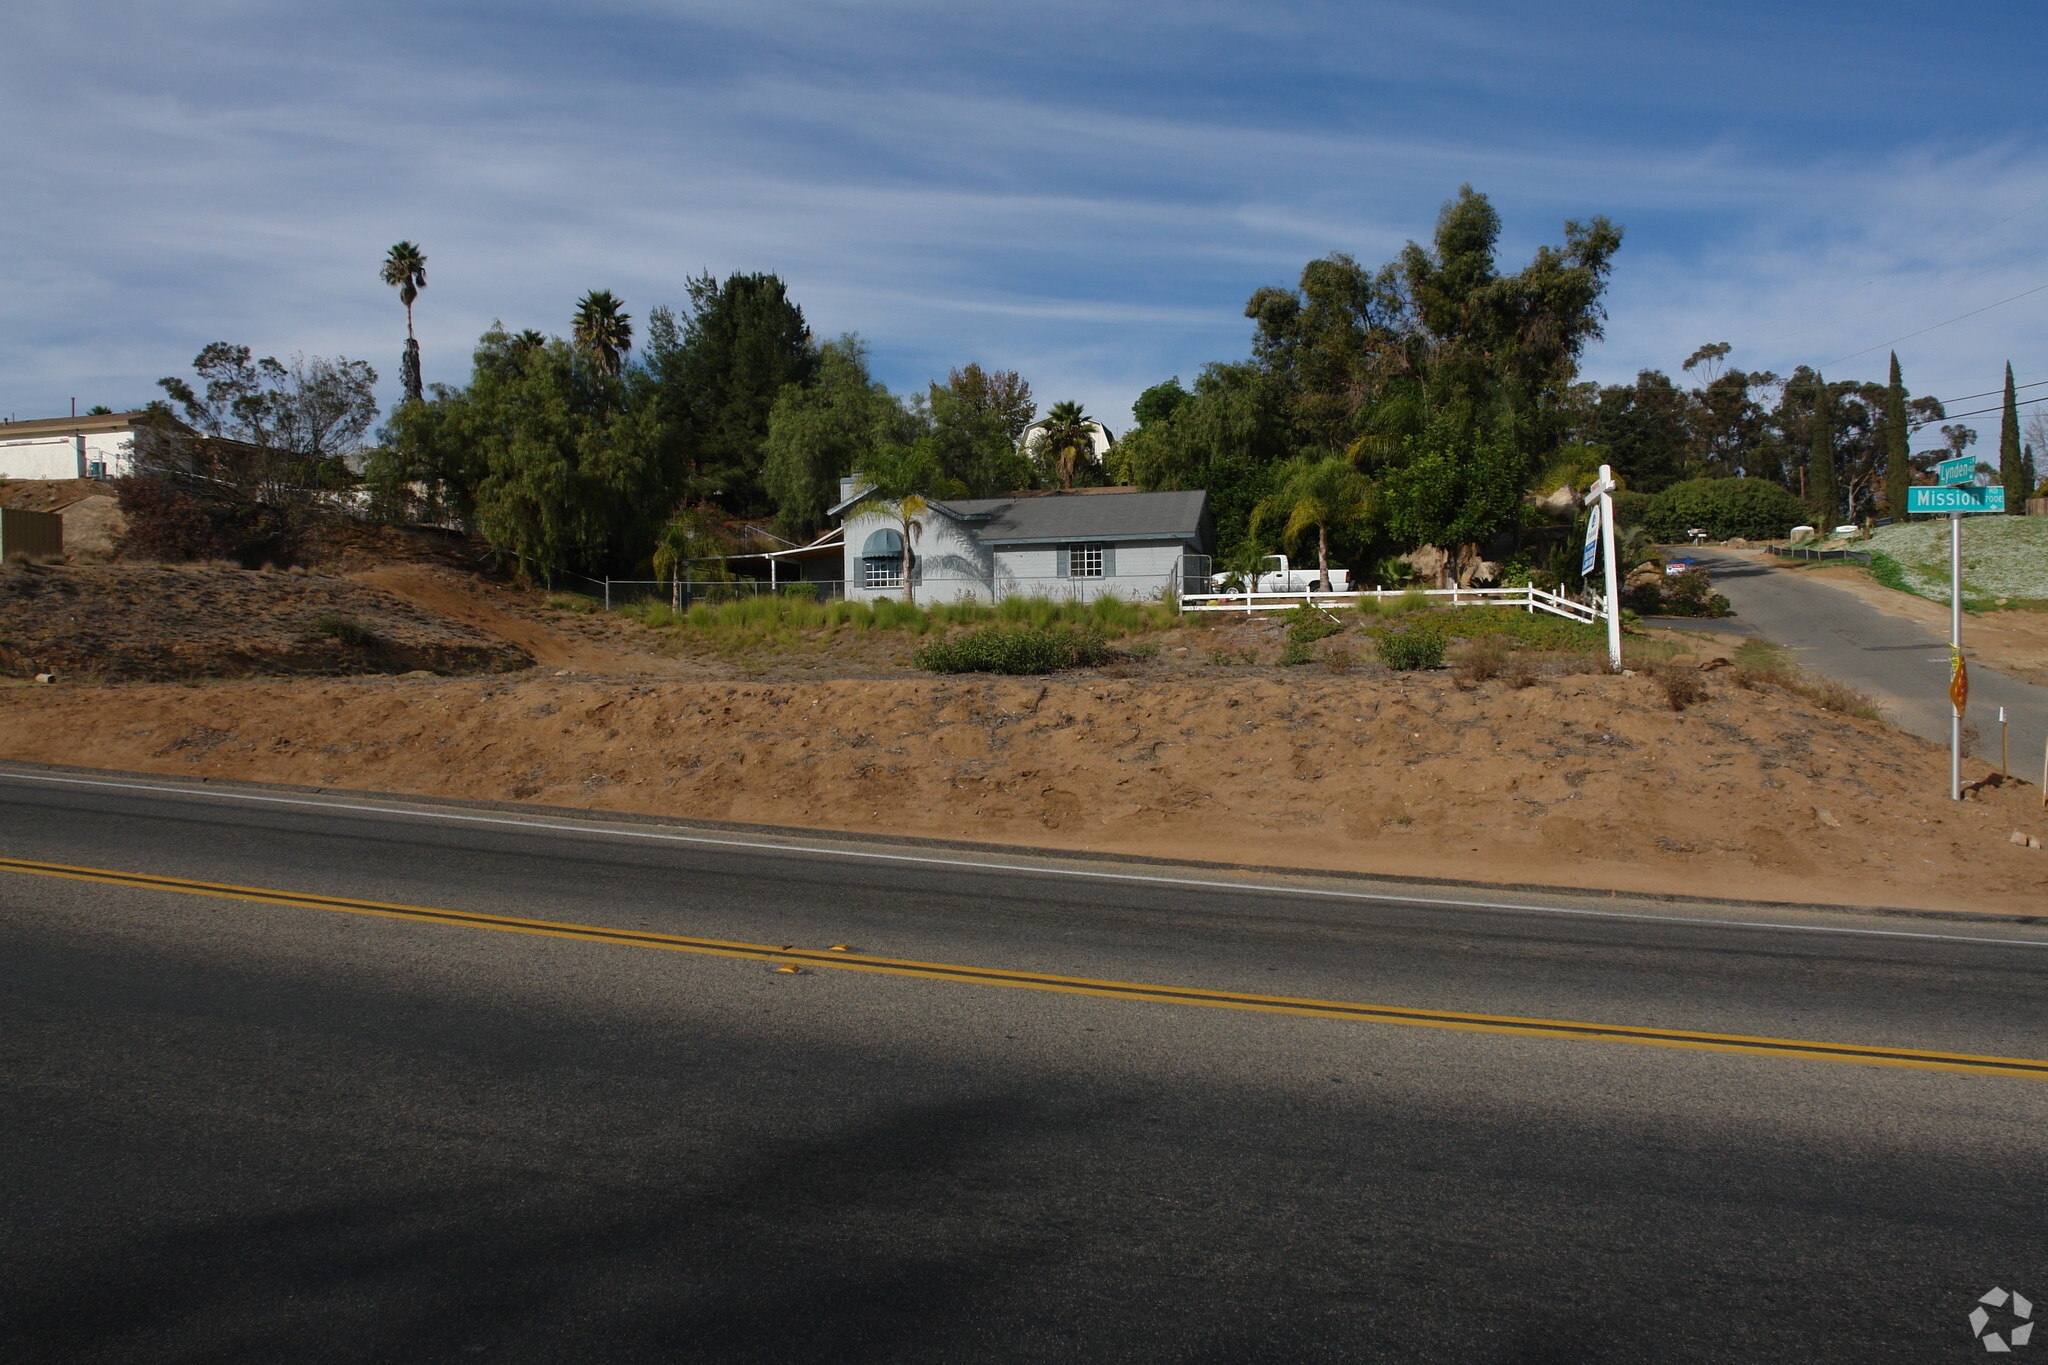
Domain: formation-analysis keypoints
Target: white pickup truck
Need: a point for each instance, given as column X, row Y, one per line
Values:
column 1286, row 579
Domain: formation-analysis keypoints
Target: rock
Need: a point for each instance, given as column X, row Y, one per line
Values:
column 1559, row 502
column 1683, row 661
column 46, row 677
column 1827, row 819
column 2017, row 837
column 420, row 673
column 1738, row 543
column 1428, row 563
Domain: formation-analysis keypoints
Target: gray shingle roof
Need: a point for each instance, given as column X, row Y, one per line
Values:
column 1095, row 516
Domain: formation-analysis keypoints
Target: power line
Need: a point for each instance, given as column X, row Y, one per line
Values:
column 1857, row 289
column 1993, row 393
column 1924, row 330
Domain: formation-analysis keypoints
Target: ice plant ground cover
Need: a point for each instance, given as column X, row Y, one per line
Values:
column 2002, row 557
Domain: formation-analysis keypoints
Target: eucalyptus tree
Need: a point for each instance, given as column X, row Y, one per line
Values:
column 405, row 269
column 1820, row 457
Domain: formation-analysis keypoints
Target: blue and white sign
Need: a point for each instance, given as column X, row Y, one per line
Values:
column 1961, row 499
column 1592, row 554
column 1962, row 469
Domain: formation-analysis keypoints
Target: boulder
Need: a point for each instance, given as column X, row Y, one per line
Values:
column 1428, row 564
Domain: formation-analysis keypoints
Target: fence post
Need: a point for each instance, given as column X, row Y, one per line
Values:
column 607, row 594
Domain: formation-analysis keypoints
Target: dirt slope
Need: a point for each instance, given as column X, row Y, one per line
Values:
column 1581, row 780
column 465, row 598
column 146, row 622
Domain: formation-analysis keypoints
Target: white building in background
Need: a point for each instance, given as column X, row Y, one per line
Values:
column 100, row 447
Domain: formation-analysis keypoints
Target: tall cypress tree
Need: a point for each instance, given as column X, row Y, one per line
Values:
column 1820, row 456
column 2012, row 470
column 1898, row 472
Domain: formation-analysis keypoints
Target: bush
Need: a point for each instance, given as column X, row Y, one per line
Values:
column 1755, row 509
column 1306, row 625
column 196, row 522
column 1681, row 594
column 346, row 629
column 1409, row 649
column 1297, row 652
column 1682, row 685
column 1016, row 649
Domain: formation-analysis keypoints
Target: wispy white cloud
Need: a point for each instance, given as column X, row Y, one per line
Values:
column 922, row 174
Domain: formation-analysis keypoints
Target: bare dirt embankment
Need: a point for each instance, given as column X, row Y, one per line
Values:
column 144, row 622
column 1580, row 780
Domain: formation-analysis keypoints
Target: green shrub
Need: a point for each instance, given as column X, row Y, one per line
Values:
column 1756, row 509
column 1888, row 571
column 1006, row 648
column 1297, row 652
column 1408, row 648
column 1306, row 625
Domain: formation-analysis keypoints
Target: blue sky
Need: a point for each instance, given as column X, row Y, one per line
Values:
column 1086, row 193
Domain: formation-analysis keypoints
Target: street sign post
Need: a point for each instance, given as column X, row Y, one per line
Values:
column 1958, row 498
column 1962, row 491
column 1959, row 470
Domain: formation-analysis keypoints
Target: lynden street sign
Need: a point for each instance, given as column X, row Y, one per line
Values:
column 1963, row 499
column 1959, row 470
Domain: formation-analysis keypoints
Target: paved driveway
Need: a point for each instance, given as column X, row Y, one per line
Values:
column 1903, row 665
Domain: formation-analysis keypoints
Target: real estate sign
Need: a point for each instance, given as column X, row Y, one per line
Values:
column 1962, row 499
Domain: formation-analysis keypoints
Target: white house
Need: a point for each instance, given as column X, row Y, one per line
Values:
column 99, row 447
column 1082, row 544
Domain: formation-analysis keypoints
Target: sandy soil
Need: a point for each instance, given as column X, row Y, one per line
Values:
column 146, row 621
column 507, row 614
column 2013, row 642
column 1582, row 780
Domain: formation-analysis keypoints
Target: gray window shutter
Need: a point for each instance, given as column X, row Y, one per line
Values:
column 1062, row 558
column 1109, row 561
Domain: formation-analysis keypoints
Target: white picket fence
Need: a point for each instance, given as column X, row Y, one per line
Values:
column 1529, row 598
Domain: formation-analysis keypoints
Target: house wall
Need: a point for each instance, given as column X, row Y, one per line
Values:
column 953, row 566
column 1135, row 570
column 66, row 457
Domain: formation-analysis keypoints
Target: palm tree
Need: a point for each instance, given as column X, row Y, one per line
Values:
column 405, row 269
column 898, row 478
column 1066, row 436
column 1316, row 494
column 604, row 329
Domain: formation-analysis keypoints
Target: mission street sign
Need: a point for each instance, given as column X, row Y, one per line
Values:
column 1963, row 499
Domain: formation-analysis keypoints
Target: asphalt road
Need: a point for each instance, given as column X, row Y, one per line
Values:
column 247, row 1129
column 1901, row 664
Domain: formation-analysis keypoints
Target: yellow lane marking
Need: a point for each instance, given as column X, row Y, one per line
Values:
column 839, row 957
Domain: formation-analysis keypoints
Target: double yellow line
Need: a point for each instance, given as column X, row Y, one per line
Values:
column 846, row 960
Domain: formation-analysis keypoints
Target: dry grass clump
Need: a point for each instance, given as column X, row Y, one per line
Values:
column 1481, row 660
column 1682, row 684
column 1760, row 664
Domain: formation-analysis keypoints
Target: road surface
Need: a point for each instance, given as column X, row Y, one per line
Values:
column 285, row 1080
column 1900, row 663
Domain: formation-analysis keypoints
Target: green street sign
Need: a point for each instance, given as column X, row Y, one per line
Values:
column 1959, row 470
column 1964, row 499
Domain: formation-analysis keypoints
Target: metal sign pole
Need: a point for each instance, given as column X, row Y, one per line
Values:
column 1955, row 646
